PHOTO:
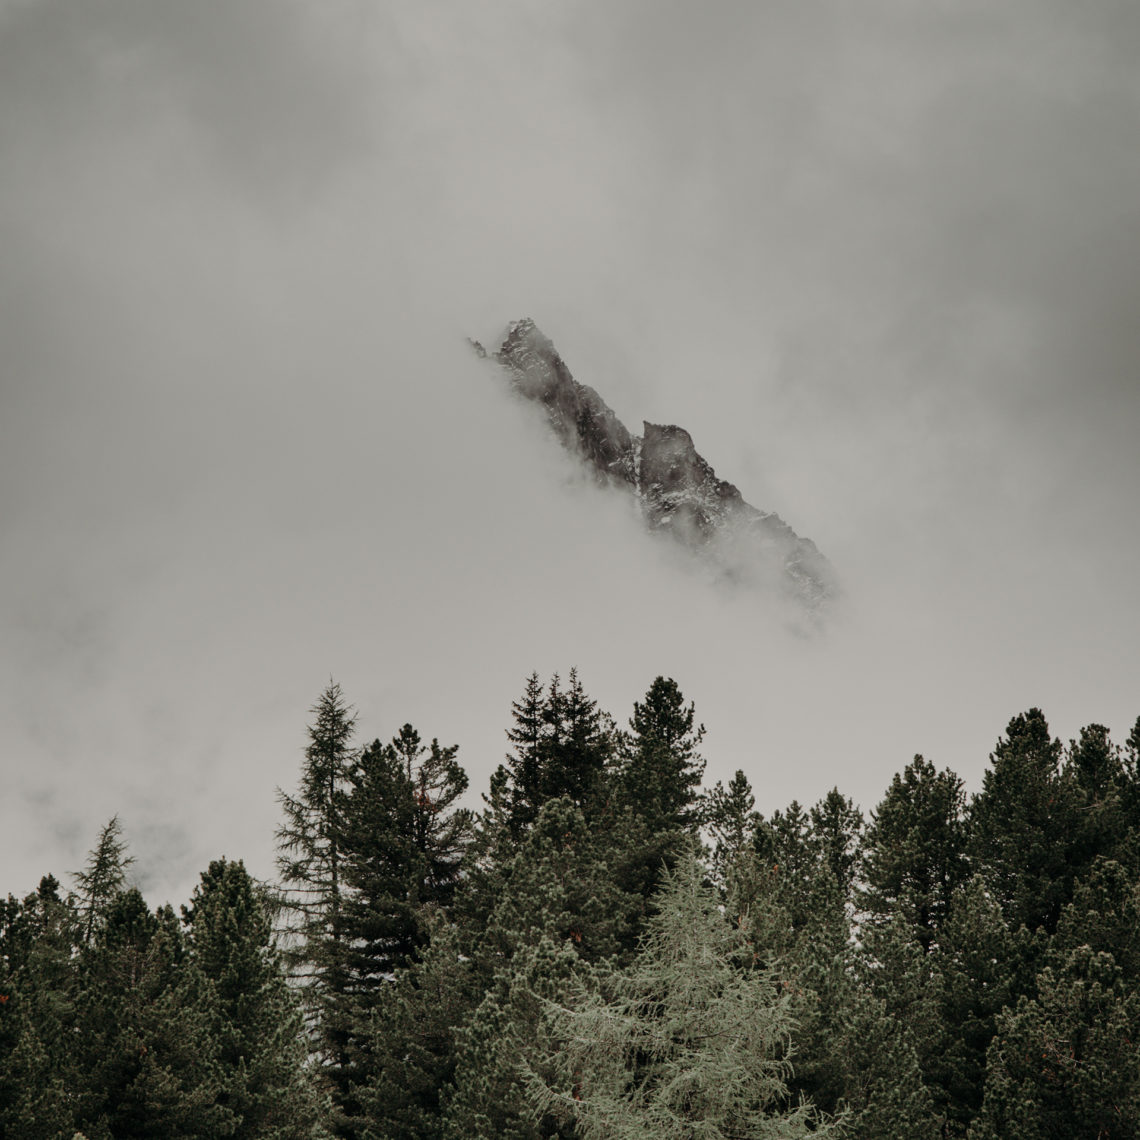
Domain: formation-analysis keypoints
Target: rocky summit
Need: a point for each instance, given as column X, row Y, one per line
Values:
column 678, row 490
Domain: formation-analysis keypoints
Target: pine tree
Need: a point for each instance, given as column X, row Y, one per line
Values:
column 1065, row 1063
column 413, row 1049
column 103, row 876
column 255, row 1018
column 853, row 1054
column 981, row 967
column 730, row 816
column 39, row 939
column 1095, row 768
column 914, row 850
column 147, row 1057
column 688, row 1041
column 1023, row 822
column 836, row 832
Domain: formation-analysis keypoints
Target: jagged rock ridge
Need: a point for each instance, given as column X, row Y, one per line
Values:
column 677, row 488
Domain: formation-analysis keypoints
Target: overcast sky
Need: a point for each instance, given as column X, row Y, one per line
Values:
column 881, row 259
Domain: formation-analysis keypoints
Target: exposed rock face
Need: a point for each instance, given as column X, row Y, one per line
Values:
column 678, row 490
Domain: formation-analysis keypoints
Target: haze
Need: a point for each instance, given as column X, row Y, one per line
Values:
column 880, row 260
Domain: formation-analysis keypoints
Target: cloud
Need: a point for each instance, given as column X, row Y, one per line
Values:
column 880, row 264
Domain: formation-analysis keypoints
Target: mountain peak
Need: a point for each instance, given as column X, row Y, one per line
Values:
column 677, row 488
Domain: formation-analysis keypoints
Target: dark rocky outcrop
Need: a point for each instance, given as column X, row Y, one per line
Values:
column 677, row 488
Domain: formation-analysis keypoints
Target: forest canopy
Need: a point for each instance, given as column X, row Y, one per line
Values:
column 605, row 948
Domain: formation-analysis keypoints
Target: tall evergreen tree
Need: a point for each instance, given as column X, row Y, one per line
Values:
column 1023, row 823
column 563, row 744
column 402, row 841
column 836, row 832
column 148, row 1058
column 662, row 767
column 39, row 939
column 1065, row 1063
column 730, row 816
column 1095, row 767
column 914, row 850
column 255, row 1018
column 103, row 876
column 316, row 949
column 982, row 967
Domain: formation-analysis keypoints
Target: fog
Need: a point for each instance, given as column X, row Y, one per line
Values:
column 881, row 263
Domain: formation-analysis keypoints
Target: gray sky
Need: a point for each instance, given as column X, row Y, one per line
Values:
column 882, row 260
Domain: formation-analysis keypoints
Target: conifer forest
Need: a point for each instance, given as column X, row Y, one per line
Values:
column 606, row 948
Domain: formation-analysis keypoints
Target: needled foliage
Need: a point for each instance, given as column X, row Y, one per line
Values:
column 566, row 964
column 1065, row 1063
column 254, row 1018
column 102, row 877
column 562, row 744
column 913, row 851
column 1023, row 824
column 690, row 1040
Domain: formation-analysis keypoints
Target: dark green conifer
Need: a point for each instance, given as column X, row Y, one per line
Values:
column 103, row 876
column 562, row 746
column 39, row 938
column 1023, row 825
column 255, row 1018
column 662, row 768
column 1065, row 1063
column 316, row 948
column 731, row 819
column 147, row 1056
column 914, row 850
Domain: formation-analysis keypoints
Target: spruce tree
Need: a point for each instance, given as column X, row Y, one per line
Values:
column 309, row 863
column 563, row 744
column 662, row 767
column 402, row 841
